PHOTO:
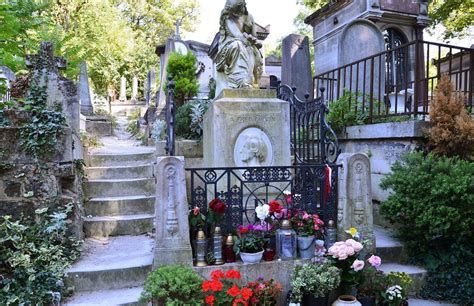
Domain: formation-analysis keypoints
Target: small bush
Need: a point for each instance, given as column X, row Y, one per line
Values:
column 182, row 69
column 173, row 285
column 433, row 204
column 452, row 132
column 189, row 119
column 33, row 258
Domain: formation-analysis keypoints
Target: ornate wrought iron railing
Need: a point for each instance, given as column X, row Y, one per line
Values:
column 312, row 139
column 170, row 118
column 243, row 189
column 399, row 81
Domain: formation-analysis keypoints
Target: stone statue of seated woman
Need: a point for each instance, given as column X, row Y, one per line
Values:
column 238, row 60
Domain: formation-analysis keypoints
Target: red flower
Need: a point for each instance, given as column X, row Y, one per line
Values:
column 216, row 285
column 206, row 286
column 196, row 211
column 238, row 301
column 210, row 299
column 246, row 293
column 217, row 206
column 217, row 274
column 275, row 207
column 233, row 291
column 233, row 274
column 243, row 229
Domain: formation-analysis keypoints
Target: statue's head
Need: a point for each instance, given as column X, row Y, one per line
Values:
column 236, row 6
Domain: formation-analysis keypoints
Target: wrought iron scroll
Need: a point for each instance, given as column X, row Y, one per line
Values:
column 242, row 189
column 170, row 118
column 312, row 139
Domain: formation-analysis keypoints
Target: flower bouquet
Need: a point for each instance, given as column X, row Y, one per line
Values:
column 307, row 224
column 344, row 255
column 265, row 292
column 216, row 211
column 250, row 242
column 222, row 290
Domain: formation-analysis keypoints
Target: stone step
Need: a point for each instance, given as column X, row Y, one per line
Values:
column 122, row 297
column 112, row 263
column 417, row 274
column 119, row 172
column 418, row 302
column 120, row 206
column 104, row 226
column 105, row 160
column 120, row 187
column 388, row 247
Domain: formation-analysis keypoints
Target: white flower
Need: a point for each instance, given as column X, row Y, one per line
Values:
column 262, row 211
column 287, row 193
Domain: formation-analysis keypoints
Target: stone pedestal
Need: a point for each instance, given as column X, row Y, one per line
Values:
column 355, row 207
column 247, row 128
column 172, row 245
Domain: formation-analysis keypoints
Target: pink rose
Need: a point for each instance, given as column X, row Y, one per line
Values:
column 358, row 265
column 350, row 250
column 342, row 255
column 196, row 211
column 354, row 244
column 306, row 216
column 375, row 261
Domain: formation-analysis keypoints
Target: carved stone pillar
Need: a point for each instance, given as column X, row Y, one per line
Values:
column 355, row 207
column 171, row 213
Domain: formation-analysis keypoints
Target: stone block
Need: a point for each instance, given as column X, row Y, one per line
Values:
column 172, row 244
column 247, row 128
column 99, row 127
column 296, row 65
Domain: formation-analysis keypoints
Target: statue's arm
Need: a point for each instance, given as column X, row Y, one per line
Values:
column 234, row 30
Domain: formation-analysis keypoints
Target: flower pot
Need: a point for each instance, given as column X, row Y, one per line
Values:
column 311, row 300
column 346, row 300
column 367, row 301
column 251, row 257
column 306, row 245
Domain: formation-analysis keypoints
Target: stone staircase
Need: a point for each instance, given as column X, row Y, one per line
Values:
column 117, row 253
column 394, row 259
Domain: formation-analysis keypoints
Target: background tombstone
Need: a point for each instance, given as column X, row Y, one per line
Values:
column 8, row 77
column 296, row 65
column 123, row 89
column 84, row 91
column 171, row 214
column 135, row 89
column 355, row 207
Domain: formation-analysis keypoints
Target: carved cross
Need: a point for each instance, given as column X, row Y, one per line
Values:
column 45, row 59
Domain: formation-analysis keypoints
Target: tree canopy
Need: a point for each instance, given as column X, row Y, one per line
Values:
column 115, row 37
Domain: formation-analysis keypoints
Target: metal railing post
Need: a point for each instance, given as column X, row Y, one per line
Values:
column 170, row 119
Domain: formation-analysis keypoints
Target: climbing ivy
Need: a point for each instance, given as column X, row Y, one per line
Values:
column 39, row 137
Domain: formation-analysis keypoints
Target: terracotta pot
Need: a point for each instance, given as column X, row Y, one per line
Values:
column 346, row 300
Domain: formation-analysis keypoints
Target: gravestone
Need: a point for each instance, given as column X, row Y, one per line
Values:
column 355, row 207
column 134, row 89
column 84, row 91
column 171, row 214
column 61, row 92
column 296, row 65
column 123, row 89
column 247, row 128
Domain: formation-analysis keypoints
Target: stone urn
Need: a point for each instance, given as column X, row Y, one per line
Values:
column 346, row 300
column 306, row 246
column 251, row 258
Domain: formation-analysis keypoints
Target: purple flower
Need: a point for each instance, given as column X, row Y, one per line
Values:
column 375, row 261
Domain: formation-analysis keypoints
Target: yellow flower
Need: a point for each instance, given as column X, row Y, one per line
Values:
column 352, row 231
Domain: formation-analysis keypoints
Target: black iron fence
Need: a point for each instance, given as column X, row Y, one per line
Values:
column 170, row 115
column 312, row 139
column 304, row 187
column 399, row 81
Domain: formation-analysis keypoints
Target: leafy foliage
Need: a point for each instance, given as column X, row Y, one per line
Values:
column 158, row 131
column 433, row 204
column 452, row 131
column 173, row 285
column 34, row 256
column 347, row 111
column 316, row 279
column 182, row 69
column 455, row 15
column 189, row 119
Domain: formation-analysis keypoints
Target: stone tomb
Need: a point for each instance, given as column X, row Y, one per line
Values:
column 247, row 128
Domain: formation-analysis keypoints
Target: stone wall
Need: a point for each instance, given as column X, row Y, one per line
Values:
column 384, row 143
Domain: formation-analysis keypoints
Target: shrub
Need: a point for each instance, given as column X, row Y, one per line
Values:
column 182, row 69
column 433, row 204
column 452, row 132
column 173, row 285
column 189, row 119
column 316, row 279
column 34, row 256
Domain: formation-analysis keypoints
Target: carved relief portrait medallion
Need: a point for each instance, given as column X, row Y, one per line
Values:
column 253, row 149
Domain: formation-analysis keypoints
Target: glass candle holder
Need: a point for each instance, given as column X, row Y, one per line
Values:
column 229, row 249
column 217, row 241
column 286, row 241
column 201, row 249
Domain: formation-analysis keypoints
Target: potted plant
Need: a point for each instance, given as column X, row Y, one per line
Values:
column 344, row 255
column 309, row 228
column 172, row 285
column 249, row 244
column 396, row 293
column 265, row 292
column 222, row 289
column 373, row 283
column 311, row 283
